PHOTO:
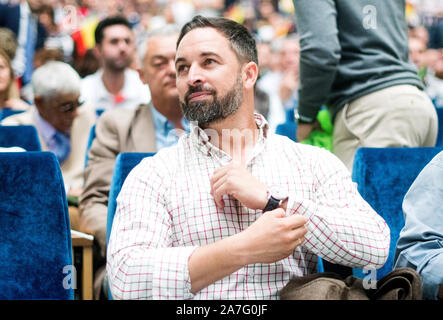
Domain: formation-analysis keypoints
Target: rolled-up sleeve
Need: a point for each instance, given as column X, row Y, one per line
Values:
column 420, row 245
column 141, row 262
column 342, row 226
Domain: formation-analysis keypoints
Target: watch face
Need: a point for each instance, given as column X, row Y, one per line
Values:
column 278, row 193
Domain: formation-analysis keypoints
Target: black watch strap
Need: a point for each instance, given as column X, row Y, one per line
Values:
column 302, row 119
column 272, row 204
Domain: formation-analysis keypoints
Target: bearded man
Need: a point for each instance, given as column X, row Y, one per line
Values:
column 233, row 211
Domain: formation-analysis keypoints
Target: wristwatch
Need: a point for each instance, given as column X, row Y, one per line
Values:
column 301, row 119
column 276, row 195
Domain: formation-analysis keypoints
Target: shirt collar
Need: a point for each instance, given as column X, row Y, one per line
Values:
column 46, row 129
column 162, row 124
column 202, row 140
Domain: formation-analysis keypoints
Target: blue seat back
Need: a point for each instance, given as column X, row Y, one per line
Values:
column 6, row 112
column 124, row 163
column 288, row 129
column 88, row 146
column 20, row 136
column 384, row 176
column 99, row 112
column 35, row 232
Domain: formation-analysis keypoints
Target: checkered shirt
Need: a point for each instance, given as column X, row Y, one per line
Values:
column 165, row 211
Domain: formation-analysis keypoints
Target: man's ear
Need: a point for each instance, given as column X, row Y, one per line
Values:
column 96, row 51
column 250, row 75
column 141, row 74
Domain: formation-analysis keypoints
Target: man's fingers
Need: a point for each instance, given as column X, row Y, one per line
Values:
column 218, row 193
column 299, row 241
column 218, row 183
column 296, row 221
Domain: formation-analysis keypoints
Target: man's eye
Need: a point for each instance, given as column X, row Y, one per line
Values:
column 182, row 68
column 209, row 61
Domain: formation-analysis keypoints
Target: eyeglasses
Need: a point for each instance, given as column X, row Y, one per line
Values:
column 70, row 106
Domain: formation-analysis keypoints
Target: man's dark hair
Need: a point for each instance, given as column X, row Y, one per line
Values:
column 107, row 22
column 239, row 37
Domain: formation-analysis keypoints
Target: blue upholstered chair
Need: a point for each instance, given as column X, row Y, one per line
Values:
column 20, row 136
column 90, row 140
column 440, row 127
column 6, row 112
column 99, row 112
column 124, row 163
column 384, row 176
column 288, row 129
column 35, row 232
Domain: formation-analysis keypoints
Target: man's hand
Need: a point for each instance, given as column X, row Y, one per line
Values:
column 273, row 236
column 304, row 130
column 270, row 238
column 238, row 182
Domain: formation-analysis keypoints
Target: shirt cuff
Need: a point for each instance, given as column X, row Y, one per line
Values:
column 170, row 279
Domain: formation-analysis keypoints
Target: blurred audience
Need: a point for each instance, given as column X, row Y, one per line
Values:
column 63, row 126
column 56, row 39
column 280, row 83
column 114, row 84
column 22, row 18
column 9, row 93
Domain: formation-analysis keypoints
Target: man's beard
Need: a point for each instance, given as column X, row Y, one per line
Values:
column 118, row 66
column 206, row 112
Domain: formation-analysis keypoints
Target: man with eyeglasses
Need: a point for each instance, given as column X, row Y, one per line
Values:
column 63, row 126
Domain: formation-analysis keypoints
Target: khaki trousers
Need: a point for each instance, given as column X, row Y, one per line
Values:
column 398, row 116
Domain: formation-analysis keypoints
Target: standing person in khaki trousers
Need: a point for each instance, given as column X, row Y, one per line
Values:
column 356, row 62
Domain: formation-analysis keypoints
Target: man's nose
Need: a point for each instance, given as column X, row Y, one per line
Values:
column 74, row 113
column 195, row 75
column 171, row 67
column 123, row 45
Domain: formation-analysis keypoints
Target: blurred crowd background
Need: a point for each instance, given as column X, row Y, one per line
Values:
column 70, row 26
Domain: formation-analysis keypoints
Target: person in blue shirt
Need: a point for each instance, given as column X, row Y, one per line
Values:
column 144, row 128
column 21, row 17
column 420, row 245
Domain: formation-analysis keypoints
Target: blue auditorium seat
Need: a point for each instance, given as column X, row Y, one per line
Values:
column 90, row 140
column 99, row 112
column 20, row 136
column 288, row 129
column 6, row 112
column 35, row 232
column 124, row 163
column 383, row 176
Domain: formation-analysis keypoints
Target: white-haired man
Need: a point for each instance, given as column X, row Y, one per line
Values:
column 63, row 128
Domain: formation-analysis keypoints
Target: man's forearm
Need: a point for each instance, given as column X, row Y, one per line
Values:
column 270, row 238
column 215, row 261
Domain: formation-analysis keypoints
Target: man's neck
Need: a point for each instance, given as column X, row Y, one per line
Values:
column 113, row 81
column 237, row 136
